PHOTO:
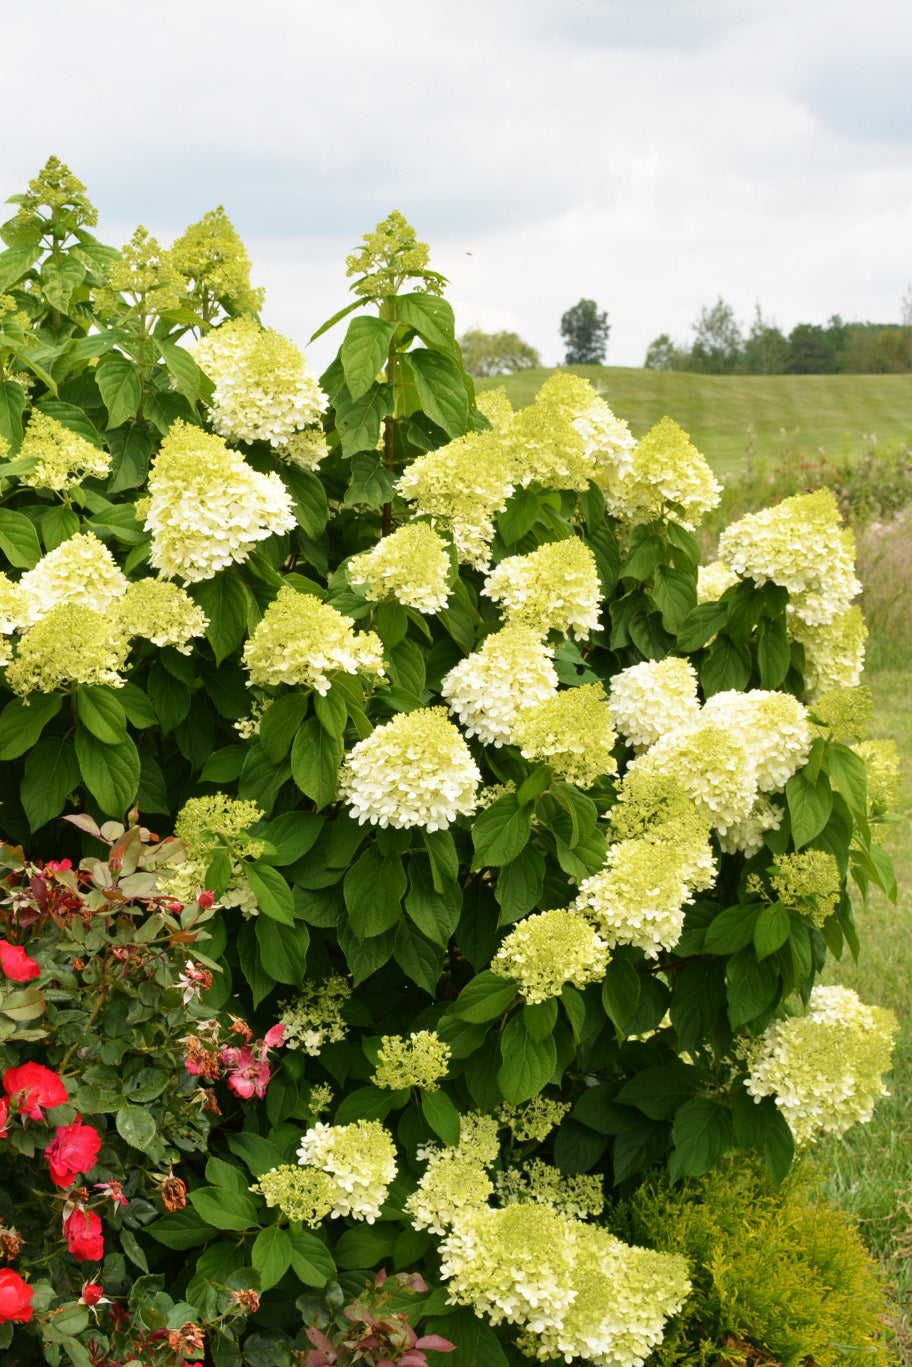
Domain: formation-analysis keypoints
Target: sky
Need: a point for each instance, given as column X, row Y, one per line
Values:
column 651, row 155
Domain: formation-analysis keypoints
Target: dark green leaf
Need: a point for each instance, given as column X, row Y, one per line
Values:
column 23, row 720
column 732, row 929
column 118, row 380
column 372, row 484
column 271, row 1254
column 315, row 760
column 432, row 318
column 224, row 1209
column 620, row 991
column 51, row 774
column 701, row 625
column 136, row 1125
column 418, row 957
column 308, row 498
column 311, row 1260
column 727, row 665
column 12, row 402
column 57, row 525
column 364, row 1103
column 332, row 712
column 280, row 722
column 435, row 914
column 441, row 391
column 484, row 998
column 698, row 995
column 442, row 1116
column 519, row 516
column 101, row 711
column 183, row 368
column 110, row 772
column 773, row 652
column 358, row 420
column 751, row 986
column 19, row 540
column 660, row 1092
column 702, row 1133
column 226, row 601
column 374, row 888
column 365, row 1248
column 528, row 1063
column 771, row 929
column 519, row 885
column 364, row 351
column 809, row 807
column 272, row 893
column 675, row 594
column 181, row 1229
column 501, row 832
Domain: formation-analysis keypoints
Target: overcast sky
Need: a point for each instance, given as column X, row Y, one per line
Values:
column 648, row 154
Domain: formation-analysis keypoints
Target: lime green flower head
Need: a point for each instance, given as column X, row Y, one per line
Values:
column 146, row 274
column 410, row 566
column 419, row 1061
column 211, row 254
column 301, row 640
column 390, row 256
column 62, row 457
column 553, row 588
column 668, row 478
column 549, row 949
column 571, row 731
column 361, row 1161
column 834, row 652
column 70, row 645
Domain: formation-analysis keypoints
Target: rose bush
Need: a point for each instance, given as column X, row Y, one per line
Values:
column 502, row 842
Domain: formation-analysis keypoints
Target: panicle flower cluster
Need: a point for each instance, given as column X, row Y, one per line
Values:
column 534, row 1119
column 651, row 699
column 456, row 1178
column 264, row 388
column 800, row 544
column 208, row 508
column 146, row 273
column 575, row 1290
column 389, row 256
column 56, row 187
column 713, row 766
column 80, row 571
column 713, row 579
column 419, row 1061
column 746, row 834
column 301, row 640
column 655, row 809
column 314, row 1018
column 206, row 825
column 511, row 671
column 495, row 405
column 833, row 653
column 305, row 449
column 638, row 897
column 462, row 486
column 63, row 457
column 568, row 437
column 305, row 1194
column 410, row 566
column 882, row 760
column 577, row 1196
column 773, row 728
column 667, row 474
column 361, row 1161
column 549, row 949
column 161, row 612
column 809, row 882
column 416, row 770
column 553, row 588
column 71, row 644
column 824, row 1069
column 14, row 614
column 572, row 732
column 211, row 254
column 844, row 713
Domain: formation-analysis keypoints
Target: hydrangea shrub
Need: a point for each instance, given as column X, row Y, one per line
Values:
column 526, row 834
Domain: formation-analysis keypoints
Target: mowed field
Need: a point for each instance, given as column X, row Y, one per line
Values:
column 726, row 415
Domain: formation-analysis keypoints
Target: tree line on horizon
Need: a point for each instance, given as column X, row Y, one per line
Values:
column 719, row 345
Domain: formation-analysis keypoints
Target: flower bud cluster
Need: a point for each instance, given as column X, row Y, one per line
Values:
column 301, row 640
column 419, row 1061
column 549, row 949
column 410, row 566
column 314, row 1018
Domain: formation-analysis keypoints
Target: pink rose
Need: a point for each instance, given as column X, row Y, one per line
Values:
column 74, row 1149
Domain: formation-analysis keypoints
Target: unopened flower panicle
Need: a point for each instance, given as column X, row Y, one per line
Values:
column 572, row 732
column 161, row 612
column 549, row 949
column 70, row 645
column 63, row 457
column 419, row 1061
column 553, row 588
column 411, row 566
column 301, row 640
column 304, row 1194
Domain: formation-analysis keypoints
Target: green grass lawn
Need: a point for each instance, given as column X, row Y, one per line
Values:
column 725, row 414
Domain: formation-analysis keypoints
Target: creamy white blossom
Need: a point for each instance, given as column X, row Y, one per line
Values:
column 511, row 670
column 773, row 728
column 302, row 640
column 411, row 565
column 81, row 570
column 360, row 1159
column 415, row 770
column 652, row 699
column 549, row 949
column 553, row 588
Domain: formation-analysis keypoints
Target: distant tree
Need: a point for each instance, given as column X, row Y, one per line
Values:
column 662, row 354
column 585, row 331
column 876, row 349
column 766, row 348
column 496, row 353
column 718, row 345
column 812, row 350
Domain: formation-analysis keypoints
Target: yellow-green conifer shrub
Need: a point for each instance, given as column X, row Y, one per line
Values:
column 777, row 1275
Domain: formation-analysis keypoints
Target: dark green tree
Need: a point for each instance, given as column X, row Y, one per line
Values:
column 662, row 354
column 585, row 331
column 718, row 346
column 766, row 348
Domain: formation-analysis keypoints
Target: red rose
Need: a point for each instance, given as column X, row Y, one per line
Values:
column 4, row 1117
column 15, row 1298
column 16, row 964
column 84, row 1237
column 92, row 1293
column 33, row 1086
column 74, row 1149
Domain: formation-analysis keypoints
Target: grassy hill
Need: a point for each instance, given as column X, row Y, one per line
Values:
column 724, row 414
